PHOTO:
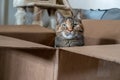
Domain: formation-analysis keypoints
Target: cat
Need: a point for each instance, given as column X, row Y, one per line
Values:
column 52, row 18
column 69, row 31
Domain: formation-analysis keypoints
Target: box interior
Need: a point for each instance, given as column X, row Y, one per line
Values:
column 96, row 32
column 33, row 33
column 101, row 32
column 21, row 61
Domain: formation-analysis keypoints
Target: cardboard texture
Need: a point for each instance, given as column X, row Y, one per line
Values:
column 105, row 52
column 30, row 33
column 17, row 43
column 99, row 32
column 22, row 58
column 27, row 64
column 90, row 63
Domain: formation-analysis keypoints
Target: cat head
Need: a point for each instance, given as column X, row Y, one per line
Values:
column 68, row 27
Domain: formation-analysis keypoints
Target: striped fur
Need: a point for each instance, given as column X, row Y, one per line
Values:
column 69, row 31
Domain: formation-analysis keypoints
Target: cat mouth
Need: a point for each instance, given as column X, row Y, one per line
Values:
column 68, row 35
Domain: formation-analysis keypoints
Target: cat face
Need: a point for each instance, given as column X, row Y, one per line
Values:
column 68, row 27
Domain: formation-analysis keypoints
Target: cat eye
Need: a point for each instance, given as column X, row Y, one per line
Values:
column 63, row 25
column 75, row 24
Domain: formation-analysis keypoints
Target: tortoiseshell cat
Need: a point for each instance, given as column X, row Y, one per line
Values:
column 69, row 31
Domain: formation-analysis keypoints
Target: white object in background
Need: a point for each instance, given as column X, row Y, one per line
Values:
column 20, row 16
column 18, row 3
column 52, row 22
column 94, row 4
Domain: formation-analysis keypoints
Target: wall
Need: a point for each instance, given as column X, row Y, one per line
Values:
column 95, row 4
column 7, row 12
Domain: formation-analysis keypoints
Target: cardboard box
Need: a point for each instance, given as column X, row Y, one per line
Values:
column 96, row 32
column 30, row 33
column 90, row 63
column 21, row 59
column 101, row 32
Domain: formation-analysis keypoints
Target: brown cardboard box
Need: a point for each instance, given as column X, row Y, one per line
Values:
column 30, row 33
column 98, row 32
column 24, row 60
column 90, row 63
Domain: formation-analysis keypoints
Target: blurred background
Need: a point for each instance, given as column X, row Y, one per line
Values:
column 7, row 11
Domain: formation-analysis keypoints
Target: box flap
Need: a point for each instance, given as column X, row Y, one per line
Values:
column 24, row 29
column 99, row 32
column 89, row 63
column 31, row 33
column 17, row 43
column 27, row 64
column 105, row 52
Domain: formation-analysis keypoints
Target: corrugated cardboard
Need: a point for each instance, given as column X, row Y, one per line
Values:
column 30, row 33
column 90, row 63
column 100, row 62
column 99, row 32
column 18, row 43
column 96, row 32
column 22, row 59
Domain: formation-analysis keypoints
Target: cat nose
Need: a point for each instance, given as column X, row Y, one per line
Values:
column 70, row 30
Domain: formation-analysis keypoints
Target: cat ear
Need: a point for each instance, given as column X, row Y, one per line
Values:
column 78, row 15
column 59, row 17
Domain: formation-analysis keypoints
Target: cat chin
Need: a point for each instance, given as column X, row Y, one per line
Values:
column 67, row 36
